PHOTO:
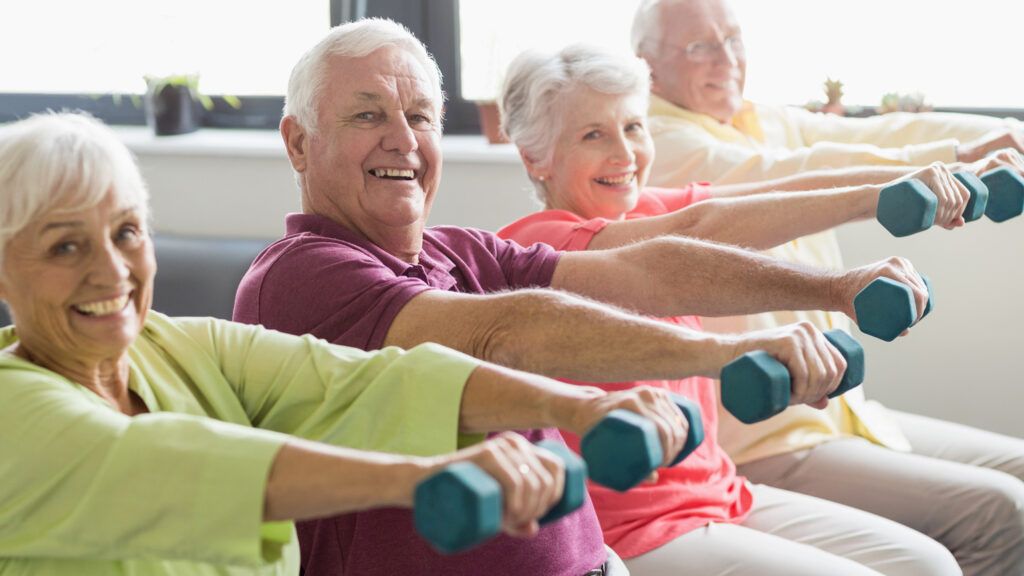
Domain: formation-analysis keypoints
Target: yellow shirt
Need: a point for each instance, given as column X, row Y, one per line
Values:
column 765, row 142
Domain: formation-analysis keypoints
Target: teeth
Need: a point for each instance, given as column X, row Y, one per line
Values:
column 624, row 179
column 394, row 173
column 104, row 307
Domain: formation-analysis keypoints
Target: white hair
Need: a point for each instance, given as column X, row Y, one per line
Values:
column 537, row 83
column 647, row 23
column 351, row 40
column 62, row 162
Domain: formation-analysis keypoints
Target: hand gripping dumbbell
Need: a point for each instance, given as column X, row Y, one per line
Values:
column 885, row 308
column 460, row 506
column 756, row 386
column 909, row 207
column 1006, row 194
column 624, row 447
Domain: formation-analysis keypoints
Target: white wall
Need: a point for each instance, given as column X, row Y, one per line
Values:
column 959, row 364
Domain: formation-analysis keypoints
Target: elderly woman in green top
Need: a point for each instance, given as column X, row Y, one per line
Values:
column 136, row 443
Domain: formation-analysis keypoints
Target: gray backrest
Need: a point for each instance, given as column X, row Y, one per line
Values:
column 199, row 276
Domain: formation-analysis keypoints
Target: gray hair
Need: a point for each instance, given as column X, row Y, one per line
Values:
column 351, row 40
column 537, row 82
column 62, row 162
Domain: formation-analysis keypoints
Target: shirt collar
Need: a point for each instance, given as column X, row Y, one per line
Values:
column 434, row 263
column 744, row 125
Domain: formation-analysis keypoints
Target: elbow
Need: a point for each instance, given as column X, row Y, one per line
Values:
column 514, row 334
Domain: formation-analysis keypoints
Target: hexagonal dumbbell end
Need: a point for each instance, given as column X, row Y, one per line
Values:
column 1005, row 194
column 931, row 296
column 575, row 490
column 695, row 436
column 979, row 195
column 458, row 507
column 885, row 308
column 755, row 387
column 853, row 353
column 906, row 208
column 621, row 450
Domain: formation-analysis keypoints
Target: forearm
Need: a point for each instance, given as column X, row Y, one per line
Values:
column 312, row 480
column 816, row 180
column 675, row 276
column 562, row 336
column 768, row 220
column 497, row 398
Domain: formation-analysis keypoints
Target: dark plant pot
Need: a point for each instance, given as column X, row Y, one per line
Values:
column 172, row 110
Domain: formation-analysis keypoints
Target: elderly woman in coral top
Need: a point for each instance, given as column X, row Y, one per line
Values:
column 578, row 119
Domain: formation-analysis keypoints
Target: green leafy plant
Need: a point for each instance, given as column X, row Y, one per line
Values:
column 191, row 81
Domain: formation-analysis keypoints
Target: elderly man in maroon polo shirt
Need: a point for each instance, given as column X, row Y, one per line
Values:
column 358, row 267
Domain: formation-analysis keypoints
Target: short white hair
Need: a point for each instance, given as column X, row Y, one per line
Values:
column 351, row 40
column 647, row 23
column 62, row 162
column 536, row 85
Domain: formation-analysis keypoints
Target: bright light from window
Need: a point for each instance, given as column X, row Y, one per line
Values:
column 236, row 46
column 960, row 55
column 956, row 54
column 493, row 33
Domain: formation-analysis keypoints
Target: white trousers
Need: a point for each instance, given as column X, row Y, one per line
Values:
column 790, row 534
column 961, row 486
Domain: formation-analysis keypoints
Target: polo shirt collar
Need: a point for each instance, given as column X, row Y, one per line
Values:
column 434, row 266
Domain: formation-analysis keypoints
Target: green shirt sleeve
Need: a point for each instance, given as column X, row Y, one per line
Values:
column 386, row 400
column 81, row 480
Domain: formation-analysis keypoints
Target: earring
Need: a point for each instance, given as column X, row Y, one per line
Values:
column 542, row 178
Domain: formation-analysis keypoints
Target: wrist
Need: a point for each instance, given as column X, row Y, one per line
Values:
column 400, row 487
column 570, row 408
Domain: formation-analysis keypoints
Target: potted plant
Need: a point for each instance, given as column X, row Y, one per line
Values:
column 173, row 103
column 834, row 93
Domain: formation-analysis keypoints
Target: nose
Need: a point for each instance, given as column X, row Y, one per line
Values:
column 725, row 52
column 108, row 266
column 622, row 152
column 400, row 137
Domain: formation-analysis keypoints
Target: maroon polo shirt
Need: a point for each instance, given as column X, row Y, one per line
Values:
column 326, row 280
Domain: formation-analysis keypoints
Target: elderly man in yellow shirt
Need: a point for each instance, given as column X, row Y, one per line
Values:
column 856, row 452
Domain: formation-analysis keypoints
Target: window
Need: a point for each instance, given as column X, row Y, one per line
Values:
column 70, row 53
column 956, row 56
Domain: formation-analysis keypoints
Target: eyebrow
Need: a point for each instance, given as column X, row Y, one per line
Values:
column 80, row 223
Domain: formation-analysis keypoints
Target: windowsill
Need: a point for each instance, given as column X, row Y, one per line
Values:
column 267, row 144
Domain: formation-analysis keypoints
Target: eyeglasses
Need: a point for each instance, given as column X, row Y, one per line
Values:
column 701, row 52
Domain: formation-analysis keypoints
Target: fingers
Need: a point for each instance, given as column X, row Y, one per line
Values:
column 951, row 194
column 657, row 406
column 531, row 480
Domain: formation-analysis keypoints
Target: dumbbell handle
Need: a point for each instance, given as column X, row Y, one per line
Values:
column 756, row 395
column 602, row 445
column 482, row 517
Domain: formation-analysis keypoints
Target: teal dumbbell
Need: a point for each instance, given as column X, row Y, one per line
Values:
column 624, row 448
column 978, row 202
column 885, row 308
column 460, row 506
column 1006, row 194
column 756, row 386
column 909, row 207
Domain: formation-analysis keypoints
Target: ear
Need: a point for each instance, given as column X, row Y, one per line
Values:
column 533, row 168
column 296, row 142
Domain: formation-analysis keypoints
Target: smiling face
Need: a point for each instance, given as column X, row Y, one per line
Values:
column 713, row 85
column 375, row 162
column 601, row 156
column 79, row 283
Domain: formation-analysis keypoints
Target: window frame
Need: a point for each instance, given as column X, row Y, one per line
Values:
column 435, row 22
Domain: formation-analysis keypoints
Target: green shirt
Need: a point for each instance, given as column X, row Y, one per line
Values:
column 87, row 490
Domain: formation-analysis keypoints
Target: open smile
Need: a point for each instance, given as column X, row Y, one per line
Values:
column 393, row 173
column 619, row 180
column 104, row 307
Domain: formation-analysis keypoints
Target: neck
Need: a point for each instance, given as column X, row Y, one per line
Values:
column 105, row 377
column 553, row 203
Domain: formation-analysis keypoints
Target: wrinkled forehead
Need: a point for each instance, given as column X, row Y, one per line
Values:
column 387, row 74
column 690, row 20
